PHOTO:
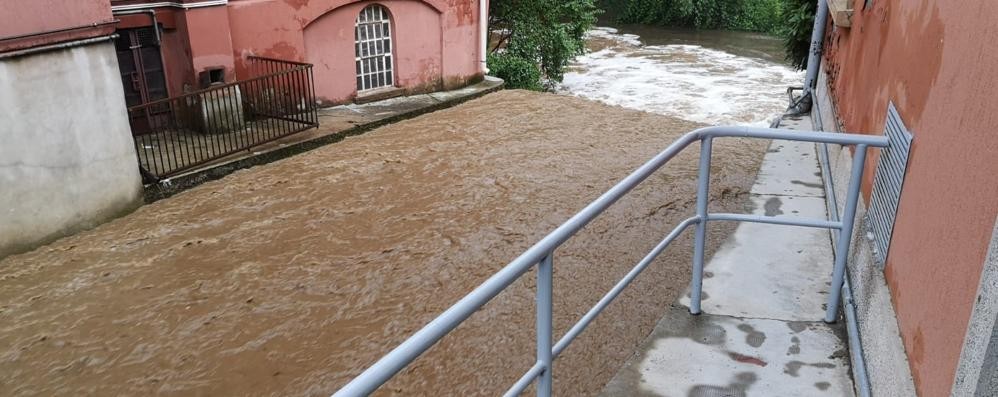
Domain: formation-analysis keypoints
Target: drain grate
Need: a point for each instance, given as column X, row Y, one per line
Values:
column 887, row 183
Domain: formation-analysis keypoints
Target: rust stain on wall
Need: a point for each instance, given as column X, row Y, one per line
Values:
column 465, row 11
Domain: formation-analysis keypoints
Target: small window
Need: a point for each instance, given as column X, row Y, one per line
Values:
column 373, row 47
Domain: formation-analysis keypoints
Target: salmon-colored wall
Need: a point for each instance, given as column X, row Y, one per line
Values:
column 936, row 60
column 329, row 44
column 210, row 43
column 36, row 16
column 436, row 40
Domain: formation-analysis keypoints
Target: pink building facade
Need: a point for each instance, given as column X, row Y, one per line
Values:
column 362, row 50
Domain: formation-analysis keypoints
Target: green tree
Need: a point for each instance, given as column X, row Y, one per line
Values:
column 799, row 17
column 536, row 39
column 792, row 20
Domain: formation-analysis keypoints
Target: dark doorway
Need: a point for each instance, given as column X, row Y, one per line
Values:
column 142, row 73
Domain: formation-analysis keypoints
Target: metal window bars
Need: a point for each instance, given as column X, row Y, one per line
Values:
column 373, row 47
column 542, row 255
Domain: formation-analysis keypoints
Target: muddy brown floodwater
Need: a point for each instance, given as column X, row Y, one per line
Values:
column 290, row 278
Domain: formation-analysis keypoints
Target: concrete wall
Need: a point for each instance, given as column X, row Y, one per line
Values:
column 977, row 374
column 886, row 359
column 936, row 61
column 90, row 18
column 66, row 159
column 436, row 40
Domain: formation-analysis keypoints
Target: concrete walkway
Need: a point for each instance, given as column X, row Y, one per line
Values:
column 761, row 333
column 335, row 123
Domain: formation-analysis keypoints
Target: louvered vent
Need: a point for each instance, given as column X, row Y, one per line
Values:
column 887, row 183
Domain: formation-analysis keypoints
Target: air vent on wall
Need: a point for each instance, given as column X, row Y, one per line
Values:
column 887, row 183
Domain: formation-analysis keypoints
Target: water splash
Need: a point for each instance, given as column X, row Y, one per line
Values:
column 680, row 80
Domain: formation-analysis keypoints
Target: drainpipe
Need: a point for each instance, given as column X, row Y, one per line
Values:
column 849, row 305
column 483, row 34
column 152, row 15
column 803, row 105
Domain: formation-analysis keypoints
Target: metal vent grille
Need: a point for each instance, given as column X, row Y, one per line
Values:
column 887, row 183
column 146, row 37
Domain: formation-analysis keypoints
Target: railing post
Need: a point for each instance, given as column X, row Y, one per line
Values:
column 848, row 220
column 545, row 285
column 703, row 191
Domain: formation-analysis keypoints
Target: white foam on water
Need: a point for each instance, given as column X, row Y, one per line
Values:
column 684, row 81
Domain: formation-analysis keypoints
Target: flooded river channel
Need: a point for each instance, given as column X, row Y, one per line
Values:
column 288, row 279
column 712, row 77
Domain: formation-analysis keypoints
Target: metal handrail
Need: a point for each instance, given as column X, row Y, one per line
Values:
column 542, row 255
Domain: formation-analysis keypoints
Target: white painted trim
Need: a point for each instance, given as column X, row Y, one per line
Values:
column 186, row 6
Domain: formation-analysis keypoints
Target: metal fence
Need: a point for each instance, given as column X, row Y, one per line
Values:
column 541, row 254
column 177, row 134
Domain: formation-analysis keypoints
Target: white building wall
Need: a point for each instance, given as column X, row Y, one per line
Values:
column 67, row 161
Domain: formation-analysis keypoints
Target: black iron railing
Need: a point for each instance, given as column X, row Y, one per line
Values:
column 177, row 134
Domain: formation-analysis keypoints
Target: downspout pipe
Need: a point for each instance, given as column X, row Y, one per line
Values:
column 863, row 386
column 803, row 105
column 152, row 15
column 483, row 34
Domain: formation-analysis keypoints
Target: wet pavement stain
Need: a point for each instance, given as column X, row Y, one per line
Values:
column 773, row 206
column 793, row 368
column 808, row 184
column 794, row 349
column 737, row 388
column 753, row 338
column 709, row 334
column 822, row 385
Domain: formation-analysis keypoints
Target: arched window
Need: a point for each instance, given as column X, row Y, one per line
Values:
column 374, row 48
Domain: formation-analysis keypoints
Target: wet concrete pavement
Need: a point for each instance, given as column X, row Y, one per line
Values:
column 761, row 333
column 291, row 277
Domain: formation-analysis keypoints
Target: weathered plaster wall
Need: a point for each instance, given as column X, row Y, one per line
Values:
column 66, row 158
column 209, row 39
column 416, row 37
column 436, row 40
column 36, row 16
column 936, row 62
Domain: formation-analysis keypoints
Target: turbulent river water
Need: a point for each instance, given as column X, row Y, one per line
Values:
column 289, row 278
column 712, row 77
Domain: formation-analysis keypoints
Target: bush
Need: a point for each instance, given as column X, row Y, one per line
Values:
column 538, row 35
column 799, row 16
column 752, row 15
column 516, row 71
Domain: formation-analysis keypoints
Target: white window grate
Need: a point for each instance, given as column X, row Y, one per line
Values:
column 887, row 183
column 374, row 48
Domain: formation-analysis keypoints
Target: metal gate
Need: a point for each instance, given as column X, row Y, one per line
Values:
column 175, row 135
column 142, row 73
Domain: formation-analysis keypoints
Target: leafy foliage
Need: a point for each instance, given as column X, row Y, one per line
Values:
column 537, row 38
column 790, row 19
column 799, row 17
column 516, row 71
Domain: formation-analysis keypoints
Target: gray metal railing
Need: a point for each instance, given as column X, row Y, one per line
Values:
column 542, row 255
